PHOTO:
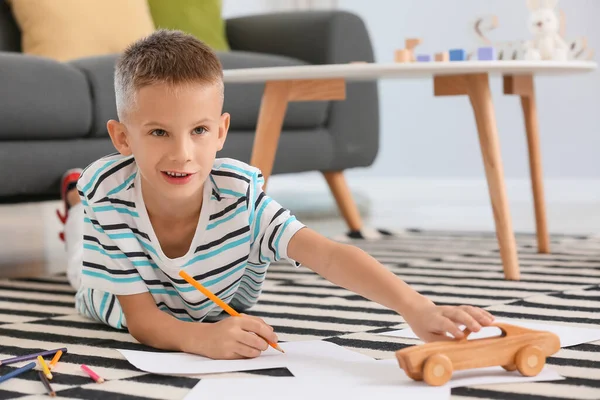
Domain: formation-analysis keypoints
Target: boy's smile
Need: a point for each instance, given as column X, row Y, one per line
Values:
column 178, row 178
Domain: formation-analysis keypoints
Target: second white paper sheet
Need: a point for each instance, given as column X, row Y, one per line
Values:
column 307, row 389
column 355, row 380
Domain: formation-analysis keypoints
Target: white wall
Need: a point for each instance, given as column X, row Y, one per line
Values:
column 427, row 137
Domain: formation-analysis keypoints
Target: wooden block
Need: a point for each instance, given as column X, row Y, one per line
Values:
column 444, row 56
column 411, row 43
column 486, row 54
column 457, row 55
column 423, row 58
column 402, row 56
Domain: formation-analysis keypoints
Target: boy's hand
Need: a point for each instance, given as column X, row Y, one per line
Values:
column 232, row 338
column 431, row 322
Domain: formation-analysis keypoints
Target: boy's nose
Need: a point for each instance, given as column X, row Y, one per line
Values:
column 181, row 150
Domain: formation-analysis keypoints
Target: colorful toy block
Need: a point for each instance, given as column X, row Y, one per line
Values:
column 402, row 56
column 457, row 55
column 444, row 56
column 423, row 58
column 410, row 45
column 486, row 54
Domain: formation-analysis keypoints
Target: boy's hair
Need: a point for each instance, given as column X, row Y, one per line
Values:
column 165, row 56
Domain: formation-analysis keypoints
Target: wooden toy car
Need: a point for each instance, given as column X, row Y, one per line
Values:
column 516, row 348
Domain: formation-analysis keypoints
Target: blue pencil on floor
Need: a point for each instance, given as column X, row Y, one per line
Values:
column 17, row 371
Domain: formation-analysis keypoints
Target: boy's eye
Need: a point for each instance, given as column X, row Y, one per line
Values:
column 200, row 130
column 158, row 132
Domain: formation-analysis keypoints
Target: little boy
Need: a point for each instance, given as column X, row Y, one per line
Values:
column 165, row 203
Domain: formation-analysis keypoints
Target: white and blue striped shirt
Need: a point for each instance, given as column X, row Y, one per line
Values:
column 240, row 232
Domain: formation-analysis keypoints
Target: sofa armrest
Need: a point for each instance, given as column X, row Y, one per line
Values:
column 323, row 37
column 317, row 37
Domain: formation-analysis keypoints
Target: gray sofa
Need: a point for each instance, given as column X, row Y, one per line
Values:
column 53, row 115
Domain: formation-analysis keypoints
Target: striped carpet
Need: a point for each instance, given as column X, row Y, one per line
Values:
column 450, row 268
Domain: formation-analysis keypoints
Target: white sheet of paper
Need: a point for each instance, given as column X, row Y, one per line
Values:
column 306, row 389
column 387, row 373
column 356, row 380
column 300, row 354
column 569, row 335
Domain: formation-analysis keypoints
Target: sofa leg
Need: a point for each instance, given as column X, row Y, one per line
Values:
column 343, row 197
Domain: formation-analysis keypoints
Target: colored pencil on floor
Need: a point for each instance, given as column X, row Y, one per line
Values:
column 46, row 383
column 31, row 356
column 44, row 366
column 92, row 374
column 55, row 359
column 17, row 372
column 218, row 301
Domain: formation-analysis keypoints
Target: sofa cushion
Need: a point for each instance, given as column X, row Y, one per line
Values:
column 199, row 18
column 68, row 29
column 42, row 99
column 242, row 101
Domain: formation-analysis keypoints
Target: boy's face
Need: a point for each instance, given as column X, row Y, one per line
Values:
column 173, row 131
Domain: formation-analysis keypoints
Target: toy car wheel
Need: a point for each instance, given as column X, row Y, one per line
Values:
column 510, row 367
column 437, row 370
column 530, row 360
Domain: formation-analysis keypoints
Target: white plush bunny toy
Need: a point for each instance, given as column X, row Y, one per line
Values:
column 544, row 25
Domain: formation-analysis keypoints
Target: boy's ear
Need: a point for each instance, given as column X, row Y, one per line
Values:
column 118, row 135
column 223, row 129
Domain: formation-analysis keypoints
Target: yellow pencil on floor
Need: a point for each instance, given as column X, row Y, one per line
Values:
column 44, row 367
column 218, row 301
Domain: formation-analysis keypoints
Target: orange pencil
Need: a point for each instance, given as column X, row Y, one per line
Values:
column 218, row 301
column 55, row 359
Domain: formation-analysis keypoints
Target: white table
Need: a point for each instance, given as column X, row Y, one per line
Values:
column 471, row 78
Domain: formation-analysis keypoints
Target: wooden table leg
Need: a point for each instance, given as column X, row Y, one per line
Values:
column 274, row 104
column 523, row 86
column 477, row 87
column 268, row 128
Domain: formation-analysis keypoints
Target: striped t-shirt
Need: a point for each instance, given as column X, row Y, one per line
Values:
column 240, row 232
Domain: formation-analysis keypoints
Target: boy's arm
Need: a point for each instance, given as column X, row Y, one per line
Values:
column 153, row 327
column 352, row 268
column 231, row 338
